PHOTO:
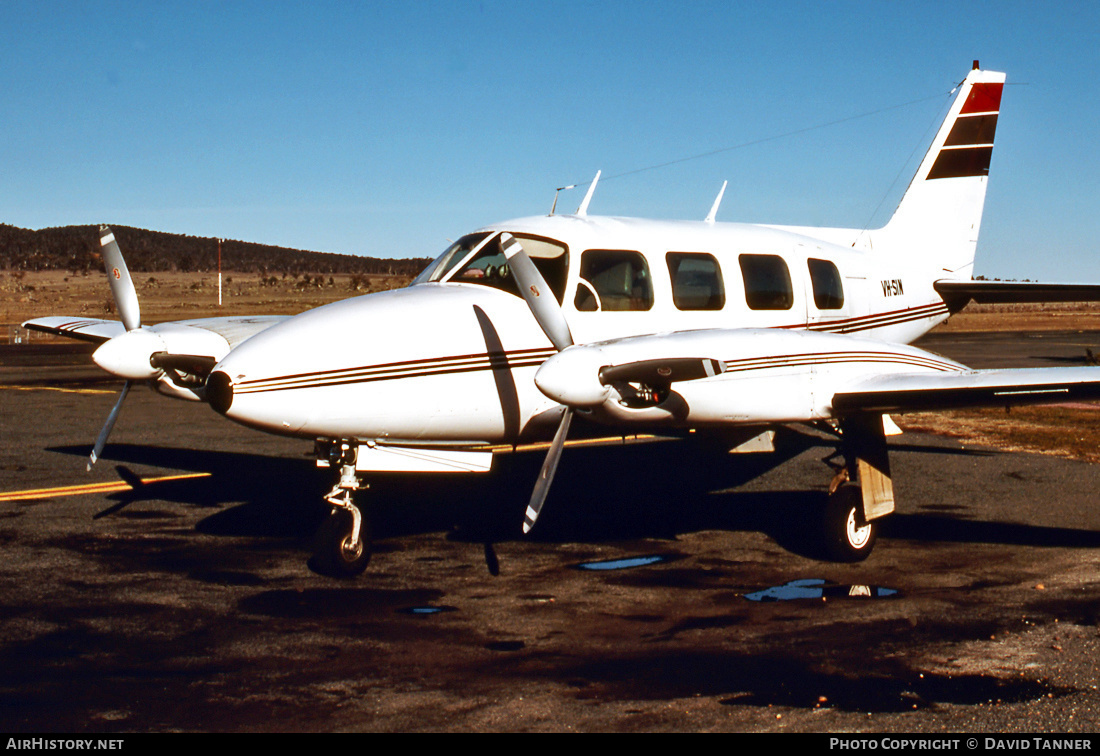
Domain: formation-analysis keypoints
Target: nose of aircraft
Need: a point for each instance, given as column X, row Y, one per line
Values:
column 424, row 361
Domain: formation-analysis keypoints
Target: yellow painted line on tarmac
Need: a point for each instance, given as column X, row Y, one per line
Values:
column 87, row 488
column 58, row 388
column 604, row 441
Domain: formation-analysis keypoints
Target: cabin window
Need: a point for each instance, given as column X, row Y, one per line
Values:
column 696, row 281
column 613, row 279
column 767, row 282
column 489, row 267
column 828, row 289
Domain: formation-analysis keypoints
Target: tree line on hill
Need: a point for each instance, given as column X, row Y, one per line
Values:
column 76, row 249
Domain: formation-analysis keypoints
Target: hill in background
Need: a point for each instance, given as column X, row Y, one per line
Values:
column 76, row 249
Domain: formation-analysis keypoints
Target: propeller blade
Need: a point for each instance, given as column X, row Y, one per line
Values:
column 118, row 275
column 661, row 372
column 540, row 298
column 546, row 475
column 101, row 440
column 536, row 292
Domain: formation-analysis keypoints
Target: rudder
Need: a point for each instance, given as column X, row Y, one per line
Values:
column 940, row 214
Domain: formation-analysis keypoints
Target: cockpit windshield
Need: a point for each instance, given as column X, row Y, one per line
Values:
column 451, row 256
column 478, row 259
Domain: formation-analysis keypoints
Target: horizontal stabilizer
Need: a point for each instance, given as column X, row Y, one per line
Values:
column 958, row 294
column 909, row 392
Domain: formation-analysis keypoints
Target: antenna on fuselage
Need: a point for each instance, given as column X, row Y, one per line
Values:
column 717, row 201
column 558, row 191
column 582, row 210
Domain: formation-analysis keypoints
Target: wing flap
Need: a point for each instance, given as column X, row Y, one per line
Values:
column 918, row 392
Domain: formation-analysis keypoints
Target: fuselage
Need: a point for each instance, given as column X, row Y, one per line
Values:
column 452, row 358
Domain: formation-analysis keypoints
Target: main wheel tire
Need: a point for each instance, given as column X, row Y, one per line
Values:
column 332, row 552
column 847, row 536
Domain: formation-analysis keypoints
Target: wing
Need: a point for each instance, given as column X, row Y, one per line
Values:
column 232, row 330
column 916, row 392
column 180, row 352
column 84, row 329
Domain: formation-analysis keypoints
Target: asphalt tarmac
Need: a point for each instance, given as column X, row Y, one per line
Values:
column 667, row 587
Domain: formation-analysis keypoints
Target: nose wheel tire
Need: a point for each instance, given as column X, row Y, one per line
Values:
column 848, row 537
column 335, row 554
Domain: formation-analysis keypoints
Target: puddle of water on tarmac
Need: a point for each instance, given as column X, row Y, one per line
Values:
column 623, row 564
column 422, row 610
column 813, row 588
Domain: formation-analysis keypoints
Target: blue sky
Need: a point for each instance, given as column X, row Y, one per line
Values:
column 385, row 128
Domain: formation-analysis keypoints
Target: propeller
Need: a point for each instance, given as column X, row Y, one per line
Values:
column 126, row 356
column 568, row 378
column 540, row 298
column 140, row 353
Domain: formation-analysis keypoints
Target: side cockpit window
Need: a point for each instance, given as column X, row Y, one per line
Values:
column 827, row 286
column 767, row 282
column 478, row 259
column 696, row 281
column 613, row 280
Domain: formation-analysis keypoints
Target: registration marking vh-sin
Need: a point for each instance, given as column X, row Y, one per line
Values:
column 627, row 324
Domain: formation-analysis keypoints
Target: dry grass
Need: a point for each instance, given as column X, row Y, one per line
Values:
column 176, row 296
column 1068, row 431
column 1061, row 316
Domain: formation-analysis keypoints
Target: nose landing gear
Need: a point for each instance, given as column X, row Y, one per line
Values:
column 342, row 545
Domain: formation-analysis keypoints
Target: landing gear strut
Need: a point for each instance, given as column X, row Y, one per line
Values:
column 342, row 545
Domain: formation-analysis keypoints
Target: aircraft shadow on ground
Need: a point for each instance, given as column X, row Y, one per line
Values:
column 654, row 490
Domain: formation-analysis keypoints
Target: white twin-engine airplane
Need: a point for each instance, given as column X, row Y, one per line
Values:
column 636, row 325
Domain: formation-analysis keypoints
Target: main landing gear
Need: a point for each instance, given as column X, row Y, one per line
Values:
column 847, row 535
column 849, row 520
column 342, row 546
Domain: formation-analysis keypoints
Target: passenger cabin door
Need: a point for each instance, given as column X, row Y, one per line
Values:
column 827, row 301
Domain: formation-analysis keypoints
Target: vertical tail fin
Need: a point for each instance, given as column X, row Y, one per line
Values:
column 941, row 212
